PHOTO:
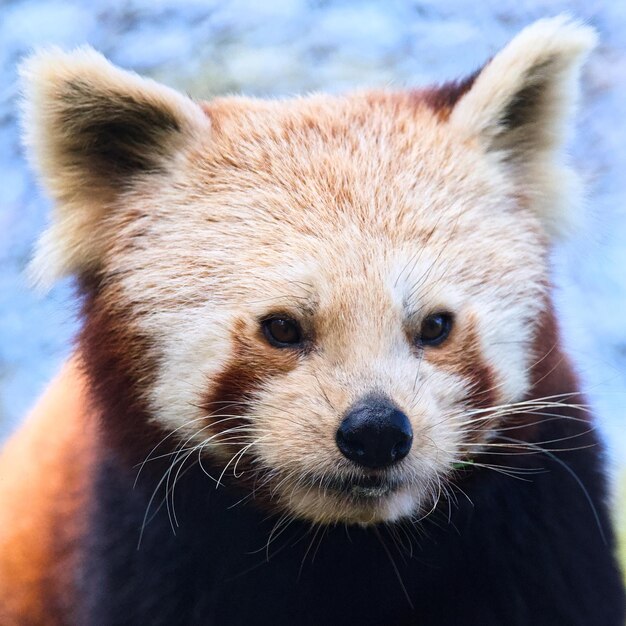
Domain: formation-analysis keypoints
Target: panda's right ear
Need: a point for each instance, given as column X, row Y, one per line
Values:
column 92, row 130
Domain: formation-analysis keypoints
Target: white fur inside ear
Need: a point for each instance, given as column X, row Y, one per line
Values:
column 519, row 108
column 89, row 127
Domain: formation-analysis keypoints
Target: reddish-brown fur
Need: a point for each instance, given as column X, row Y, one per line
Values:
column 442, row 98
column 117, row 361
column 44, row 494
column 251, row 362
column 463, row 355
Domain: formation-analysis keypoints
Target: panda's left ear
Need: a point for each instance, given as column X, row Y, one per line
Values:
column 92, row 131
column 518, row 108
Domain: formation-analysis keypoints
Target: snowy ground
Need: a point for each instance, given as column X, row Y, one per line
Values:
column 285, row 46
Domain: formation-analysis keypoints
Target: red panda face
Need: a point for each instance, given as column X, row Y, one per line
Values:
column 337, row 292
column 360, row 288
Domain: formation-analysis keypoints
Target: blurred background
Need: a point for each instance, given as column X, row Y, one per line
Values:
column 282, row 47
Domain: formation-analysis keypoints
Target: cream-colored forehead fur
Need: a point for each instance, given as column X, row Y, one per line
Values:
column 83, row 116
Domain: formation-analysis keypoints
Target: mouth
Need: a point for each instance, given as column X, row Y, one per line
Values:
column 354, row 498
column 362, row 487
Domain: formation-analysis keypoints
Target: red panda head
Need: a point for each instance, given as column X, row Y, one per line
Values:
column 332, row 293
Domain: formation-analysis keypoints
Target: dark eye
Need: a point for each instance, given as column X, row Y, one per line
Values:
column 435, row 329
column 282, row 332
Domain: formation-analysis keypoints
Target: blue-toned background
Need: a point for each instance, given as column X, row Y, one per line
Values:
column 276, row 47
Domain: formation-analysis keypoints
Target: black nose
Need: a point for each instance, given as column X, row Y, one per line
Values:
column 375, row 433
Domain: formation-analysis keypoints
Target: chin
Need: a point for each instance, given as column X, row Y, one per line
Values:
column 364, row 501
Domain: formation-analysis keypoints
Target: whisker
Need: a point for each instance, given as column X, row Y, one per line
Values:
column 394, row 566
column 579, row 482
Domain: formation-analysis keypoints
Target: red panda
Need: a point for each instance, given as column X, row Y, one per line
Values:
column 319, row 377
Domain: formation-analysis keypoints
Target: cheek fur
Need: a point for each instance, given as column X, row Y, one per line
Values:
column 119, row 362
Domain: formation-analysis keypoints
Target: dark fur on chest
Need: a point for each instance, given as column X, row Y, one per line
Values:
column 535, row 551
